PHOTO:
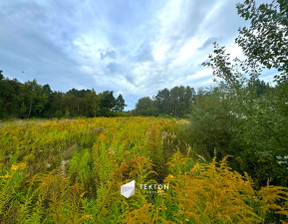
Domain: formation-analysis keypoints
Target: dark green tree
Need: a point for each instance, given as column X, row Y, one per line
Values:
column 107, row 103
column 265, row 41
column 1, row 75
column 2, row 105
column 30, row 100
column 120, row 103
column 146, row 107
column 34, row 99
column 57, row 104
column 254, row 114
column 163, row 101
column 11, row 97
column 92, row 103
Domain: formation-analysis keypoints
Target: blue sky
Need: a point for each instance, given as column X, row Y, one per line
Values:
column 133, row 47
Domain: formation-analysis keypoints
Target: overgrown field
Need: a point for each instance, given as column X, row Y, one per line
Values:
column 71, row 171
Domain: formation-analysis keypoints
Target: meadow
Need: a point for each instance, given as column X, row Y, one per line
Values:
column 71, row 171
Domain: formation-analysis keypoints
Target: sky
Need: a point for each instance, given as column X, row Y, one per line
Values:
column 132, row 47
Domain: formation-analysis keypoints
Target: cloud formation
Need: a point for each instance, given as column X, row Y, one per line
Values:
column 131, row 47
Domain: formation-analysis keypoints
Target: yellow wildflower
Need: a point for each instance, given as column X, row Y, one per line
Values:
column 7, row 175
column 20, row 166
column 81, row 195
column 86, row 216
column 14, row 167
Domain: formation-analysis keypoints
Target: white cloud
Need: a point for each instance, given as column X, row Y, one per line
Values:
column 132, row 47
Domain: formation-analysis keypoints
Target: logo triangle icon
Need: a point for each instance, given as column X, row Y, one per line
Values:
column 127, row 190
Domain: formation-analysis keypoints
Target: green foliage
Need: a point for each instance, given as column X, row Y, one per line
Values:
column 146, row 107
column 266, row 39
column 175, row 102
column 210, row 125
column 30, row 99
column 244, row 116
column 249, row 125
column 107, row 102
column 120, row 103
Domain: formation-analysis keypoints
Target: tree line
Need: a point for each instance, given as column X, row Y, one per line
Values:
column 174, row 102
column 31, row 100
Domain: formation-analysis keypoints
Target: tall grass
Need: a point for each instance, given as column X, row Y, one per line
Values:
column 71, row 171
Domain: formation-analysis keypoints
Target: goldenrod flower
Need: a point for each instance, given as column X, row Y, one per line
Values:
column 7, row 175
